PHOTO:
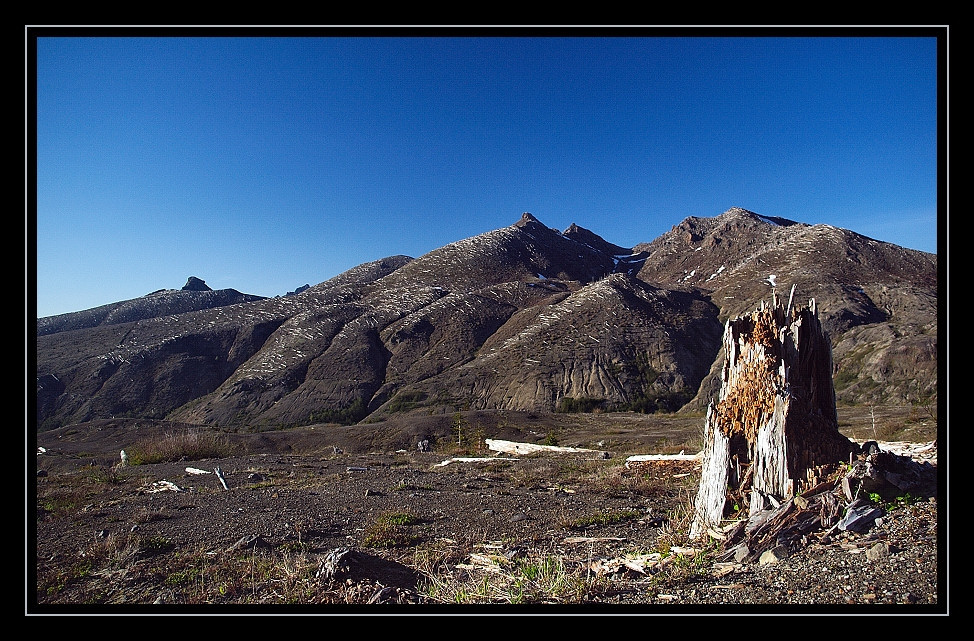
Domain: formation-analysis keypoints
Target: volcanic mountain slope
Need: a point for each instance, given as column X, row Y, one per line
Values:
column 195, row 295
column 151, row 367
column 522, row 317
column 485, row 322
column 737, row 257
column 877, row 301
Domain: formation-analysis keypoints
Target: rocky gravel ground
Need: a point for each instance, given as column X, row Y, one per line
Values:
column 411, row 532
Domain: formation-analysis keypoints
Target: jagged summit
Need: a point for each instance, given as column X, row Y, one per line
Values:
column 576, row 233
column 592, row 239
column 740, row 211
column 194, row 284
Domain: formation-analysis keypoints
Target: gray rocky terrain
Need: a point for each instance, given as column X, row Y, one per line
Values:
column 301, row 512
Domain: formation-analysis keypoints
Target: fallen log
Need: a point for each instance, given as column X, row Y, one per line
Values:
column 849, row 499
column 884, row 473
column 219, row 475
column 665, row 465
column 512, row 447
column 472, row 459
column 665, row 457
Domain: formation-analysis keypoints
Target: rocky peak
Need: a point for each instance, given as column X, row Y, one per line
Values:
column 195, row 284
column 586, row 237
column 741, row 212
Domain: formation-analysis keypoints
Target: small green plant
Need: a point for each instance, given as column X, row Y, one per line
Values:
column 538, row 577
column 602, row 518
column 906, row 499
column 294, row 547
column 154, row 546
column 59, row 505
column 391, row 530
column 184, row 577
column 895, row 503
column 406, row 486
column 49, row 585
column 398, row 518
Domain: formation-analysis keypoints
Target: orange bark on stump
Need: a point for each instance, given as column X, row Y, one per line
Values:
column 774, row 423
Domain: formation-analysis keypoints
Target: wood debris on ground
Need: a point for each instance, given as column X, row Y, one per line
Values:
column 849, row 498
column 512, row 447
column 161, row 486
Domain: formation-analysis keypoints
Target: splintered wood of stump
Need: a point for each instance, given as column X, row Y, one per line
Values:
column 774, row 421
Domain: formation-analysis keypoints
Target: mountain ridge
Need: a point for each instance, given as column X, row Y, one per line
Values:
column 523, row 317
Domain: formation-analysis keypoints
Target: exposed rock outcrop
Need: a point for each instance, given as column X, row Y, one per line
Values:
column 194, row 284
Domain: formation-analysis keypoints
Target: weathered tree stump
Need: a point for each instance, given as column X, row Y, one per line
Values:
column 774, row 424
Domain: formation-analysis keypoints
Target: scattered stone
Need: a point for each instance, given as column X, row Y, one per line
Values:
column 878, row 551
column 775, row 554
column 859, row 517
column 869, row 448
column 338, row 563
column 249, row 541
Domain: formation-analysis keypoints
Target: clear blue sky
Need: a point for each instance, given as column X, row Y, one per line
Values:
column 265, row 162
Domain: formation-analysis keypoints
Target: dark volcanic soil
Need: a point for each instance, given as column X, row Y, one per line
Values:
column 111, row 538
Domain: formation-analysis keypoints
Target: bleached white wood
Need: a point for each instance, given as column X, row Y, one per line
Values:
column 664, row 457
column 472, row 459
column 219, row 475
column 776, row 409
column 512, row 447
